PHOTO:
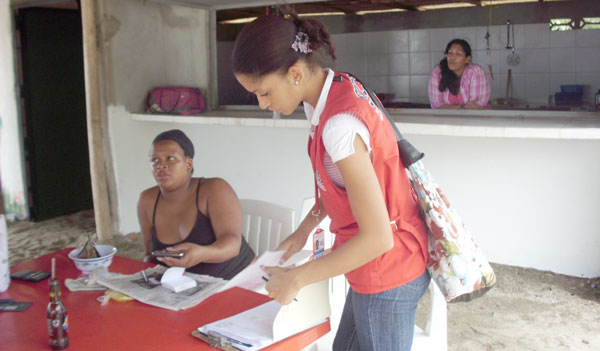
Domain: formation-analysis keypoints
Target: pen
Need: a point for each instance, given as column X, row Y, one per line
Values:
column 144, row 275
column 267, row 279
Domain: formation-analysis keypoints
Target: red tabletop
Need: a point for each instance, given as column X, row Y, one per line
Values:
column 128, row 325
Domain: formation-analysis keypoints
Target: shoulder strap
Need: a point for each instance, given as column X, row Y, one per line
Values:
column 198, row 192
column 408, row 153
column 154, row 211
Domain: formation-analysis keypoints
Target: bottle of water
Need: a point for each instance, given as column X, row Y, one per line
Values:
column 4, row 269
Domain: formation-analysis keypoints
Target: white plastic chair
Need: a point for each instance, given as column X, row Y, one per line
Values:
column 435, row 335
column 266, row 224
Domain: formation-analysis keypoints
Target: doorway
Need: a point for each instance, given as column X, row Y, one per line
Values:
column 50, row 47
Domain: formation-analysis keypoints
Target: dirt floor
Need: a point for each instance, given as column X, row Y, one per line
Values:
column 527, row 310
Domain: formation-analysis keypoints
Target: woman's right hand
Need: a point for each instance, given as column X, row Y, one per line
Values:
column 292, row 244
column 472, row 105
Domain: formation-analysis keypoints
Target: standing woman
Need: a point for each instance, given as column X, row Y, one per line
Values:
column 200, row 217
column 457, row 83
column 381, row 240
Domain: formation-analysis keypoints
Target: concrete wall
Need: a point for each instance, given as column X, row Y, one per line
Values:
column 11, row 155
column 528, row 202
column 145, row 45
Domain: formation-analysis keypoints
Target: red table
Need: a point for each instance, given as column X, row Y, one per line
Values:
column 128, row 325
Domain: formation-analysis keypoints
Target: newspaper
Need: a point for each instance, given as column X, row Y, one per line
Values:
column 153, row 293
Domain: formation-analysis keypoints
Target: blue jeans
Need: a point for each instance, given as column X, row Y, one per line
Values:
column 383, row 321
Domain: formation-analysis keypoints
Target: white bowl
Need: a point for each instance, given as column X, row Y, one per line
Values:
column 87, row 265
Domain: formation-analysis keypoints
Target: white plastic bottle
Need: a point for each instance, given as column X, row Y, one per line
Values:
column 4, row 269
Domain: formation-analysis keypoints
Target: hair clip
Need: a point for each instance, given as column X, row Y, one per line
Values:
column 301, row 43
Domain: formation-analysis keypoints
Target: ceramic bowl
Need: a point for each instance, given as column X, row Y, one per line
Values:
column 87, row 265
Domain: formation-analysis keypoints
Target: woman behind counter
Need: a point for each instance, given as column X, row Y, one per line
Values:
column 200, row 217
column 457, row 83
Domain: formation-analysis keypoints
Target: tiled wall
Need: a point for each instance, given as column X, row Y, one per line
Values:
column 400, row 62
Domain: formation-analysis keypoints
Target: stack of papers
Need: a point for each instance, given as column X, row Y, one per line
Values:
column 249, row 330
column 271, row 322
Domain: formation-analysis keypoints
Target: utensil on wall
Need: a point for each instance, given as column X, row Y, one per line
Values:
column 512, row 59
column 508, row 81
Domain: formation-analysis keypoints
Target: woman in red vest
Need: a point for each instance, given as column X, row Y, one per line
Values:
column 381, row 240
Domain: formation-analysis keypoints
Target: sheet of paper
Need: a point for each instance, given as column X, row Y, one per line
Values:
column 251, row 277
column 312, row 306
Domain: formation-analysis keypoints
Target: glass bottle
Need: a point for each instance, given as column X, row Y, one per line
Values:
column 56, row 317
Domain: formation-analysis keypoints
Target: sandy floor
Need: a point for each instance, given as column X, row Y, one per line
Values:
column 527, row 310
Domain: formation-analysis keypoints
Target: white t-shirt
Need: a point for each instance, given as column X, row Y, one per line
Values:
column 338, row 133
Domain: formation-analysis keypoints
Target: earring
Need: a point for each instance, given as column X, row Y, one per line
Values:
column 297, row 83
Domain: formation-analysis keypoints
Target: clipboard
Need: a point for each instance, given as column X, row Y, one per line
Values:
column 214, row 342
column 283, row 321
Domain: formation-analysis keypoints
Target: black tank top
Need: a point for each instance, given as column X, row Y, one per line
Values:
column 203, row 234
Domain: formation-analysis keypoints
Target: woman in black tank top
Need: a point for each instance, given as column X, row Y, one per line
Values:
column 200, row 217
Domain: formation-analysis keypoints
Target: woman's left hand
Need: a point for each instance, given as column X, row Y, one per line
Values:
column 192, row 255
column 282, row 285
column 472, row 105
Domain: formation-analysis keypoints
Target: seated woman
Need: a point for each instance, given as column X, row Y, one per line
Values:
column 200, row 217
column 457, row 83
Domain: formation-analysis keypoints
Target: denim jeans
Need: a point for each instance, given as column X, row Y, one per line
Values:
column 381, row 322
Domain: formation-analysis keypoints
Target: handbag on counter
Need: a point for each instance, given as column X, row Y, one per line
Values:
column 175, row 100
column 456, row 263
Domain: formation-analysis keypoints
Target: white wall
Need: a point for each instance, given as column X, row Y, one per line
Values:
column 145, row 45
column 256, row 161
column 401, row 61
column 11, row 169
column 528, row 202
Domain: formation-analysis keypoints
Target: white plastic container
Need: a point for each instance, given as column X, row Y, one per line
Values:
column 4, row 268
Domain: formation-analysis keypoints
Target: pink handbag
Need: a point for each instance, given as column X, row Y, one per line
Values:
column 175, row 100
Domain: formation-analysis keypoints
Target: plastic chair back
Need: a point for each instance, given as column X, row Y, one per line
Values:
column 266, row 224
column 435, row 335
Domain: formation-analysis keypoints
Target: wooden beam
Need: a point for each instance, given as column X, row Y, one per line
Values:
column 104, row 228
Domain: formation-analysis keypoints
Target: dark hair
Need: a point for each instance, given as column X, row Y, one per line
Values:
column 180, row 138
column 265, row 45
column 449, row 79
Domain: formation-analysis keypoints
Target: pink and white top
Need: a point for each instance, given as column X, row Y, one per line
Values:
column 474, row 84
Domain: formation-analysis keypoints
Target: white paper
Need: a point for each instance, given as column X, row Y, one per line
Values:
column 253, row 327
column 174, row 280
column 270, row 322
column 251, row 277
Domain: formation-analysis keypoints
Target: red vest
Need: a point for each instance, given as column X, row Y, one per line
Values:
column 407, row 259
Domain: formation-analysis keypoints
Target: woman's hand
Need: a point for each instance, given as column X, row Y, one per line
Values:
column 472, row 105
column 192, row 255
column 282, row 285
column 292, row 244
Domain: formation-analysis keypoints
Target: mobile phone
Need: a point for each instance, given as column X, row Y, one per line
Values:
column 165, row 253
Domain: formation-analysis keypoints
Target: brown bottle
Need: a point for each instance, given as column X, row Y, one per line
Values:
column 56, row 316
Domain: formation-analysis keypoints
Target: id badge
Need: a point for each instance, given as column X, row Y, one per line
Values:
column 318, row 243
